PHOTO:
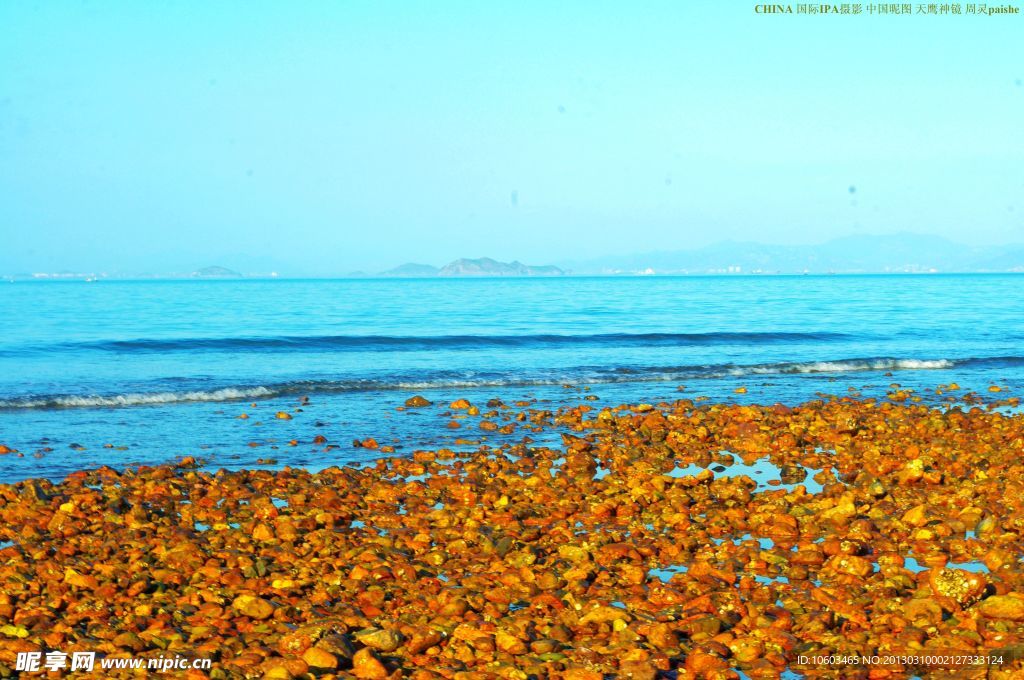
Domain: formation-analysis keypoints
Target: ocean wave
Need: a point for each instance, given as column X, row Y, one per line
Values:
column 302, row 343
column 136, row 399
column 584, row 375
column 848, row 366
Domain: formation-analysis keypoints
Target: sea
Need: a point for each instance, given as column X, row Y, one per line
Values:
column 127, row 373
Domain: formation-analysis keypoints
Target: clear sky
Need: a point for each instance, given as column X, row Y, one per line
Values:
column 323, row 137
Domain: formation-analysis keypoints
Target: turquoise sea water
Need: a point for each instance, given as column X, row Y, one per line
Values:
column 143, row 372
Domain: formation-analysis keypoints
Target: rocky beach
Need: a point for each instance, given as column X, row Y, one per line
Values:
column 519, row 341
column 682, row 539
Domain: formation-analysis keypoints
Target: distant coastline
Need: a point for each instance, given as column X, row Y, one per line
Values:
column 852, row 255
column 85, row 278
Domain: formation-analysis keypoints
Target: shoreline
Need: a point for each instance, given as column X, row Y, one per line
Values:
column 688, row 538
column 97, row 278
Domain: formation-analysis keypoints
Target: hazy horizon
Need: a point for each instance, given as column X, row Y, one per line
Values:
column 851, row 254
column 324, row 138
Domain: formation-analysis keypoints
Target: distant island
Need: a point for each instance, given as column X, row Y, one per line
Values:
column 216, row 273
column 483, row 266
column 211, row 272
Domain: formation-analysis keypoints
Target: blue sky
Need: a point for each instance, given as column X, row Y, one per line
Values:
column 323, row 137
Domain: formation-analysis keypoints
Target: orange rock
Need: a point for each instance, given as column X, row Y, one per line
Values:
column 580, row 673
column 509, row 643
column 662, row 636
column 641, row 670
column 605, row 614
column 1003, row 607
column 843, row 511
column 422, row 641
column 701, row 663
column 844, row 609
column 960, row 586
column 379, row 639
column 262, row 532
column 917, row 516
column 253, row 607
column 925, row 610
column 746, row 649
column 320, row 659
column 80, row 580
column 850, row 564
column 283, row 669
column 366, row 665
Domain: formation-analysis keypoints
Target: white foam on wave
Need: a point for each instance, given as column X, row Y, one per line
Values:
column 632, row 376
column 848, row 366
column 138, row 399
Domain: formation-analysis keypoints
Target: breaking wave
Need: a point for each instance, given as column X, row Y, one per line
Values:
column 848, row 365
column 136, row 399
column 586, row 375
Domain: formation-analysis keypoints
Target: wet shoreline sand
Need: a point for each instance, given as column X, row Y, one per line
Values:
column 682, row 539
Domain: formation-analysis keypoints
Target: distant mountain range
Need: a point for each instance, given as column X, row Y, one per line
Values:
column 483, row 266
column 899, row 253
